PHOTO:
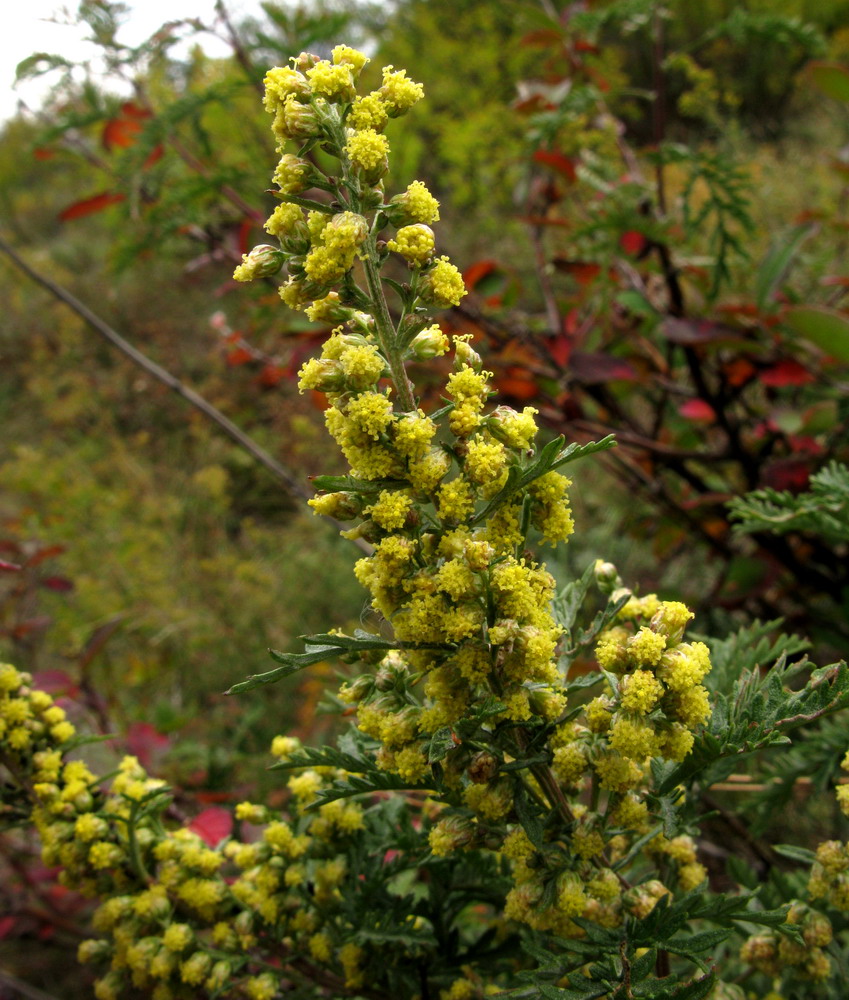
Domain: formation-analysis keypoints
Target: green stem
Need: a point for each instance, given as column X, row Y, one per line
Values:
column 386, row 335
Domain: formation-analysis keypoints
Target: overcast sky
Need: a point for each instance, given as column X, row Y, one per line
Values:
column 28, row 29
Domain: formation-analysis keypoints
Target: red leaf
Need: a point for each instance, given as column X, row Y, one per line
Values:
column 212, row 825
column 632, row 243
column 271, row 375
column 37, row 624
column 143, row 741
column 154, row 155
column 120, row 133
column 560, row 347
column 7, row 567
column 581, row 270
column 591, row 368
column 739, row 371
column 786, row 372
column 804, row 443
column 60, row 583
column 42, row 153
column 698, row 411
column 542, row 36
column 245, row 235
column 132, row 110
column 7, row 925
column 786, row 474
column 55, row 682
column 557, row 161
column 90, row 205
column 239, row 356
column 518, row 383
column 475, row 272
column 44, row 554
column 696, row 331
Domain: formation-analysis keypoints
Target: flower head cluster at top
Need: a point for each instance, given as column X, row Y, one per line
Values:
column 314, row 102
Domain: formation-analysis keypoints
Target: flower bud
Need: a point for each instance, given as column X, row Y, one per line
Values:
column 415, row 244
column 361, row 687
column 416, row 204
column 282, row 82
column 93, row 950
column 451, row 834
column 516, row 430
column 220, row 974
column 294, row 120
column 670, row 620
column 642, row 899
column 442, row 285
column 483, row 767
column 429, row 343
column 372, row 197
column 606, row 576
column 305, row 61
column 465, row 354
column 342, row 506
column 293, row 174
column 262, row 261
column 329, row 310
column 322, row 374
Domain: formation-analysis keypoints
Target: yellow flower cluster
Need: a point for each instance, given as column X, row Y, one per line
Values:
column 771, row 953
column 176, row 915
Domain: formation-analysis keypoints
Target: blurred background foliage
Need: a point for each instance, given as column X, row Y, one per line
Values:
column 595, row 162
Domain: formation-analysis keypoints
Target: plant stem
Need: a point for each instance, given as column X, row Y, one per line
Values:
column 386, row 335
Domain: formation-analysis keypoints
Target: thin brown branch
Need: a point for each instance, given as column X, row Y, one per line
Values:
column 23, row 989
column 166, row 378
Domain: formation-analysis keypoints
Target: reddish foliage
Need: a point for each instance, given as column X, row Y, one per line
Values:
column 212, row 825
column 557, row 161
column 786, row 372
column 698, row 411
column 88, row 206
column 56, row 682
column 594, row 368
column 143, row 741
column 239, row 356
column 475, row 272
column 632, row 243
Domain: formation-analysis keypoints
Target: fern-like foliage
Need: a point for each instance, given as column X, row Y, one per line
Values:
column 823, row 510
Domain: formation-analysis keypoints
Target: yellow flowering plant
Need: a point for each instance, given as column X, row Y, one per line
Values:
column 495, row 821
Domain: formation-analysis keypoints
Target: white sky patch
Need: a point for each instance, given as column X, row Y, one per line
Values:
column 29, row 28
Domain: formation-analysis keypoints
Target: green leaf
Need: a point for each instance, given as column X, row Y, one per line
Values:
column 440, row 743
column 827, row 328
column 694, row 944
column 323, row 646
column 528, row 816
column 777, row 262
column 40, row 63
column 291, row 664
column 552, row 456
column 830, row 79
column 696, row 990
column 801, row 854
column 334, row 484
column 643, row 966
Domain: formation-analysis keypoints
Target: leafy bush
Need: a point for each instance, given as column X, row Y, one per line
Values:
column 484, row 827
